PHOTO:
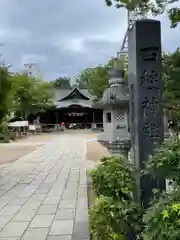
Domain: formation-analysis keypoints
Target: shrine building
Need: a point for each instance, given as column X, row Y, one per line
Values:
column 73, row 106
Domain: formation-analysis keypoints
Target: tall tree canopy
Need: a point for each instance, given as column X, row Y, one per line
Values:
column 96, row 79
column 62, row 82
column 154, row 7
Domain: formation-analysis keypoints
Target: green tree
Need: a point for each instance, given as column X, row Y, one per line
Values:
column 5, row 103
column 171, row 70
column 62, row 82
column 82, row 86
column 153, row 7
column 5, row 89
column 82, row 78
column 44, row 100
column 29, row 95
column 96, row 79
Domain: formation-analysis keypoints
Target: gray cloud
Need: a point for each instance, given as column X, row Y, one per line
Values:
column 64, row 37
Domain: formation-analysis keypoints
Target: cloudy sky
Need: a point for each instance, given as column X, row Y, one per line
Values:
column 65, row 36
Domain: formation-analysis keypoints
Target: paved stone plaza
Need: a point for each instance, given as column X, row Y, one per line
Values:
column 43, row 195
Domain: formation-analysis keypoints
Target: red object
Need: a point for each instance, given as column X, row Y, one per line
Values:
column 62, row 124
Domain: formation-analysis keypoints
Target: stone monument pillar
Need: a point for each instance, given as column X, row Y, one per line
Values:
column 146, row 89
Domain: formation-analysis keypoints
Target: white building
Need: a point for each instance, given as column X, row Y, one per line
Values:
column 32, row 70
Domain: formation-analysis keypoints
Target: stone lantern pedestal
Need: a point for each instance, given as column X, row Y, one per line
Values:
column 118, row 148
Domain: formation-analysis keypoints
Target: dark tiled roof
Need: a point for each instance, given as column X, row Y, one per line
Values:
column 62, row 93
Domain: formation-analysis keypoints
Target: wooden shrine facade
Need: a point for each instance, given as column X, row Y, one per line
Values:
column 72, row 106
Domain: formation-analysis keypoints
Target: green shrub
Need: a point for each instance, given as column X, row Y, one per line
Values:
column 162, row 219
column 165, row 162
column 111, row 219
column 113, row 178
column 114, row 213
column 99, row 227
column 4, row 133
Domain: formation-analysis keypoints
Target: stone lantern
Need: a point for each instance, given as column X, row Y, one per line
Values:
column 115, row 100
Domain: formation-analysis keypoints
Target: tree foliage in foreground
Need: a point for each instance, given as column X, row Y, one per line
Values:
column 154, row 7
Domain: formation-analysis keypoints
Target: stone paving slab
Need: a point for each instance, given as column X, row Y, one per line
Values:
column 43, row 195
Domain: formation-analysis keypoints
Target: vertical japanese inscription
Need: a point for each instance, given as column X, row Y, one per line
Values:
column 150, row 97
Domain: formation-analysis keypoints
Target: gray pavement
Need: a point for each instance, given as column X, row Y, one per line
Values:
column 43, row 195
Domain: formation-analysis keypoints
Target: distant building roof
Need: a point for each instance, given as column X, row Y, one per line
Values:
column 67, row 97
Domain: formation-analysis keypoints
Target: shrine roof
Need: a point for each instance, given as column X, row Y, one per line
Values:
column 60, row 94
column 67, row 97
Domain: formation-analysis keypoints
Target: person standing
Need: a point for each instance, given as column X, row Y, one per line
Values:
column 62, row 126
